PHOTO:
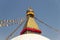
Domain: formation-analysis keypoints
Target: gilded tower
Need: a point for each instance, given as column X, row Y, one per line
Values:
column 30, row 25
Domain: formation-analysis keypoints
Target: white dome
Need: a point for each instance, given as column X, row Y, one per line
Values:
column 30, row 37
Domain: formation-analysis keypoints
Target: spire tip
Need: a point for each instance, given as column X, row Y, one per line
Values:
column 30, row 9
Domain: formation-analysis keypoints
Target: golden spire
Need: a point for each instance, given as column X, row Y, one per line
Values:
column 30, row 25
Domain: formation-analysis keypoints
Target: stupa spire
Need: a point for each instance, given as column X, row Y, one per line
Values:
column 30, row 26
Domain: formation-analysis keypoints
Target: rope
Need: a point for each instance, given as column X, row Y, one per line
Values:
column 15, row 30
column 47, row 25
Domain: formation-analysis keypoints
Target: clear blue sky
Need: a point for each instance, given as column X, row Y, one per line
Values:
column 47, row 10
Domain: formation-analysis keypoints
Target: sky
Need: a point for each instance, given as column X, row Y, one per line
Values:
column 46, row 10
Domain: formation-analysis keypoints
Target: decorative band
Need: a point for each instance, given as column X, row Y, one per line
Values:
column 30, row 29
